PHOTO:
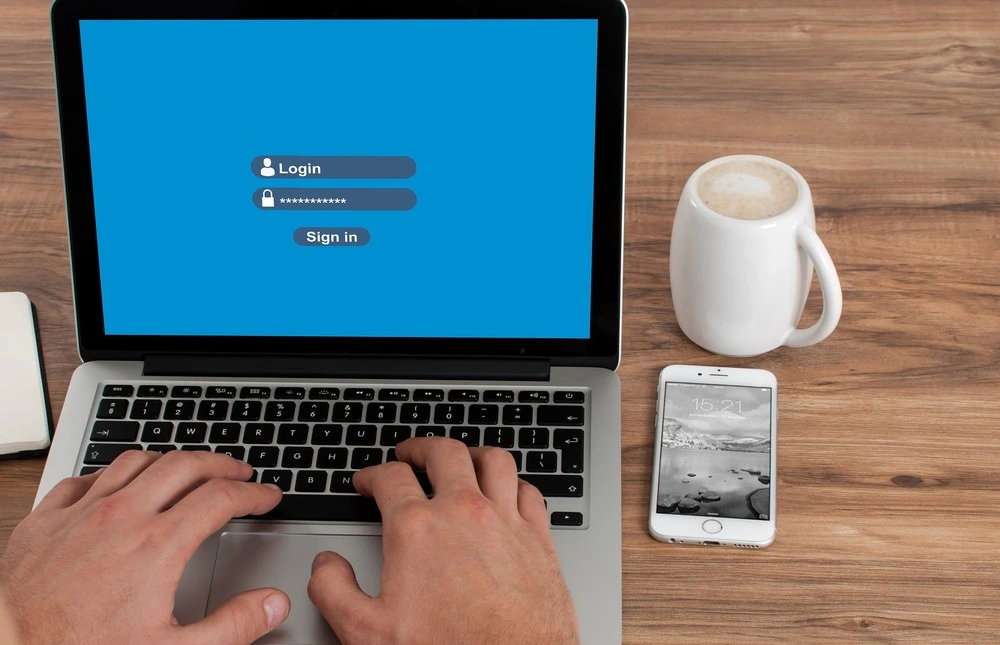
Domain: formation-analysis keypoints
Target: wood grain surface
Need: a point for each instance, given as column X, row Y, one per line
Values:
column 889, row 457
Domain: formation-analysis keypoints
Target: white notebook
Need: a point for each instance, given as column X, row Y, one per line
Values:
column 24, row 418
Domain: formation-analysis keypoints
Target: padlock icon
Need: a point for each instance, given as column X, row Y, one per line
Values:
column 267, row 199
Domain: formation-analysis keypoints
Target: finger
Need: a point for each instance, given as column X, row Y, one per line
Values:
column 391, row 484
column 122, row 471
column 447, row 462
column 497, row 475
column 531, row 506
column 178, row 473
column 240, row 620
column 210, row 506
column 68, row 492
column 334, row 589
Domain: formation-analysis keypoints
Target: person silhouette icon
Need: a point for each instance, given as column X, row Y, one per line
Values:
column 267, row 170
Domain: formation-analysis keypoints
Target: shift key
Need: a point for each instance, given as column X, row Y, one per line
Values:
column 102, row 454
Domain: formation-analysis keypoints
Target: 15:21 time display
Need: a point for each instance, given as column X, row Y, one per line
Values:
column 718, row 405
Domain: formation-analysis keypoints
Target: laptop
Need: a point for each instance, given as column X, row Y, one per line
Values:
column 303, row 232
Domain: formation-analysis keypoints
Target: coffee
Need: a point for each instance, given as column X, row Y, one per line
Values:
column 747, row 189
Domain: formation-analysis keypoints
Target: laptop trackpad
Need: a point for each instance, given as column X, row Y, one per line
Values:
column 251, row 560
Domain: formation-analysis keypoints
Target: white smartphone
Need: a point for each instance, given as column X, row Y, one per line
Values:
column 714, row 474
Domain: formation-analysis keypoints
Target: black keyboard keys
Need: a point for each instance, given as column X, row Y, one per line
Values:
column 560, row 415
column 262, row 456
column 342, row 481
column 359, row 394
column 293, row 433
column 570, row 442
column 296, row 457
column 279, row 411
column 179, row 409
column 102, row 454
column 361, row 435
column 363, row 457
column 517, row 415
column 331, row 458
column 484, row 414
column 225, row 433
column 533, row 438
column 449, row 413
column 185, row 391
column 161, row 448
column 324, row 393
column 280, row 478
column 236, row 452
column 255, row 393
column 556, row 485
column 347, row 411
column 157, row 431
column 566, row 518
column 154, row 391
column 246, row 410
column 112, row 408
column 415, row 413
column 428, row 395
column 146, row 409
column 318, row 411
column 118, row 390
column 220, row 392
column 498, row 396
column 327, row 434
column 537, row 396
column 115, row 431
column 393, row 435
column 258, row 433
column 191, row 432
column 289, row 393
column 502, row 437
column 463, row 395
column 541, row 461
column 213, row 410
column 381, row 413
column 568, row 397
column 310, row 481
column 393, row 394
column 429, row 431
column 469, row 435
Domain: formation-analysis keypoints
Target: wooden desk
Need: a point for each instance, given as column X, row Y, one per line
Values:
column 889, row 466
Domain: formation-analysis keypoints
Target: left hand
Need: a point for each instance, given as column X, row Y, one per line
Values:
column 100, row 559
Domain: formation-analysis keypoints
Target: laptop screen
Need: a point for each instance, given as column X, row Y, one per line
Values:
column 355, row 178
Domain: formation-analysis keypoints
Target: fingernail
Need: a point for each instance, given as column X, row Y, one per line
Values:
column 274, row 486
column 276, row 608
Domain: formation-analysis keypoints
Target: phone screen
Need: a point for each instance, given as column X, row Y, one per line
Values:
column 715, row 454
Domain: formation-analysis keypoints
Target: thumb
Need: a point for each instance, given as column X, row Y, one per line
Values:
column 334, row 589
column 242, row 619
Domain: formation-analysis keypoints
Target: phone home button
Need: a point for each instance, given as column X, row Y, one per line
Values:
column 711, row 526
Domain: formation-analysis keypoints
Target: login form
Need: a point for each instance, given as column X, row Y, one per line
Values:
column 343, row 178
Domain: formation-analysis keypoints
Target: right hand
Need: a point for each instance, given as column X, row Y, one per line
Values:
column 474, row 565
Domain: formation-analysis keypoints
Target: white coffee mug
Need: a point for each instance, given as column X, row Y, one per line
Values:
column 739, row 286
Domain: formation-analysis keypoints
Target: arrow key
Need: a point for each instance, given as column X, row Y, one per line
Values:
column 102, row 454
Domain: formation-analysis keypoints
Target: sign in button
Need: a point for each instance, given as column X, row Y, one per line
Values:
column 330, row 236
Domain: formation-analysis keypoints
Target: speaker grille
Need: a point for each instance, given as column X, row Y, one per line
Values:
column 746, row 546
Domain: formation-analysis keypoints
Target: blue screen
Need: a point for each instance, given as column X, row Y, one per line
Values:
column 373, row 178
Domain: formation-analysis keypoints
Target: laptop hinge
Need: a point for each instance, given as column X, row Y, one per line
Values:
column 526, row 369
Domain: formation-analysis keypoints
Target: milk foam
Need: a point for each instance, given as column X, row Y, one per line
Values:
column 747, row 189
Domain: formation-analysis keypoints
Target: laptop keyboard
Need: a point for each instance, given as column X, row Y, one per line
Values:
column 310, row 440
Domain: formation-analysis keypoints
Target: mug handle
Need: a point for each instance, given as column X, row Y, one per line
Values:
column 830, row 285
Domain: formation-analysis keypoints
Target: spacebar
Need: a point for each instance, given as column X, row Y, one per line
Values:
column 324, row 508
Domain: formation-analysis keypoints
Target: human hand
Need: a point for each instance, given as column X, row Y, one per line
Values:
column 100, row 559
column 474, row 565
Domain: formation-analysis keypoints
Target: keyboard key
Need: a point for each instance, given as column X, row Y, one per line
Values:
column 532, row 396
column 560, row 415
column 185, row 391
column 279, row 411
column 566, row 518
column 390, row 455
column 415, row 413
column 429, row 431
column 89, row 470
column 112, row 408
column 502, row 437
column 533, row 438
column 324, row 508
column 332, row 458
column 146, row 409
column 293, row 433
column 556, row 485
column 213, row 410
column 517, row 415
column 342, row 481
column 381, row 413
column 361, row 435
column 364, row 457
column 463, row 395
column 570, row 442
column 160, row 448
column 196, row 447
column 324, row 393
column 484, row 414
column 154, row 391
column 392, row 435
column 255, row 392
column 102, row 454
column 157, row 431
column 428, row 395
column 568, row 397
column 191, row 432
column 220, row 392
column 179, row 410
column 236, row 452
column 224, row 433
column 359, row 394
column 517, row 455
column 258, row 433
column 297, row 458
column 253, row 476
column 498, row 396
column 289, row 393
column 469, row 435
column 393, row 394
column 310, row 481
column 280, row 478
column 541, row 461
column 118, row 390
column 347, row 411
column 246, row 410
column 327, row 434
column 318, row 411
column 449, row 413
column 262, row 456
column 115, row 431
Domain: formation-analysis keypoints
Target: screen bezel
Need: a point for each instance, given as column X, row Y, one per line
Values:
column 684, row 528
column 600, row 349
